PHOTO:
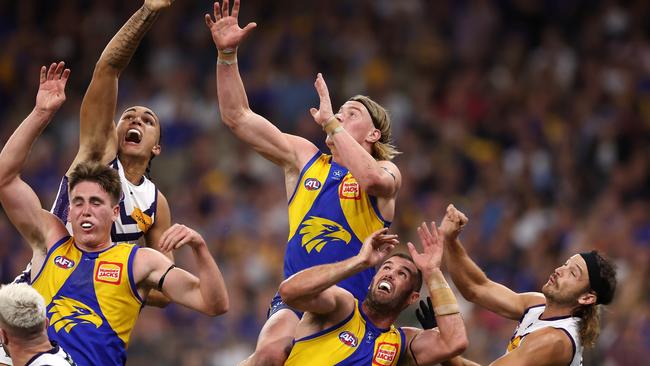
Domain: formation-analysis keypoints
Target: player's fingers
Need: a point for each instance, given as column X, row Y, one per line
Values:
column 313, row 112
column 59, row 70
column 217, row 11
column 50, row 71
column 208, row 20
column 249, row 27
column 411, row 249
column 42, row 74
column 429, row 302
column 235, row 9
column 65, row 75
column 224, row 9
column 434, row 231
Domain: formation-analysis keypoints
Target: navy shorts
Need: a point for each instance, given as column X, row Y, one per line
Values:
column 277, row 304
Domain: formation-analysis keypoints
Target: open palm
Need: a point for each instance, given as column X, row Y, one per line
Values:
column 51, row 90
column 226, row 32
column 432, row 248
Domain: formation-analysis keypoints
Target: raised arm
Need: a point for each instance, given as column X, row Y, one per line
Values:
column 37, row 226
column 288, row 151
column 472, row 282
column 378, row 178
column 431, row 346
column 98, row 138
column 313, row 289
column 205, row 293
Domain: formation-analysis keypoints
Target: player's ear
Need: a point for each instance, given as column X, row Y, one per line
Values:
column 156, row 150
column 587, row 298
column 3, row 337
column 373, row 136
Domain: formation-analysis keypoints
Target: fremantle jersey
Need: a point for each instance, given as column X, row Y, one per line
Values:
column 137, row 207
column 329, row 217
column 531, row 322
column 54, row 357
column 354, row 341
column 91, row 300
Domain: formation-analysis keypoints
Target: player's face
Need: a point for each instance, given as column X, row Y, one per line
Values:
column 356, row 120
column 392, row 286
column 568, row 282
column 138, row 133
column 91, row 214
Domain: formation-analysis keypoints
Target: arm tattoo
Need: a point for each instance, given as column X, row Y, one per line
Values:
column 121, row 48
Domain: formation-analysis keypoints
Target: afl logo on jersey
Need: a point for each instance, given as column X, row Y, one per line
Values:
column 63, row 262
column 312, row 184
column 348, row 339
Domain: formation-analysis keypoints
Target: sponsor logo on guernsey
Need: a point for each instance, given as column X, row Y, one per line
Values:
column 63, row 262
column 385, row 354
column 348, row 339
column 317, row 231
column 312, row 184
column 349, row 189
column 143, row 220
column 66, row 313
column 514, row 343
column 337, row 174
column 109, row 272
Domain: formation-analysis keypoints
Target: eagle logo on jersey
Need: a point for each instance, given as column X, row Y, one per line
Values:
column 67, row 313
column 143, row 220
column 317, row 231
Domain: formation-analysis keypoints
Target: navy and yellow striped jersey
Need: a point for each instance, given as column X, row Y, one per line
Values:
column 329, row 217
column 353, row 342
column 91, row 300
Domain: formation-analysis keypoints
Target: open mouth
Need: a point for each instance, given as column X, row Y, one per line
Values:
column 86, row 225
column 133, row 135
column 384, row 286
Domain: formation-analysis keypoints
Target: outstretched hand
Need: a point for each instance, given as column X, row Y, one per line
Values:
column 377, row 246
column 324, row 112
column 156, row 5
column 51, row 89
column 177, row 236
column 225, row 29
column 431, row 255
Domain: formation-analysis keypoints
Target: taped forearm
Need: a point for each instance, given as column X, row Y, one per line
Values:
column 443, row 299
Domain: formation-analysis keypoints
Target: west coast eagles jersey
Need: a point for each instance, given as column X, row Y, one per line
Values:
column 329, row 217
column 91, row 300
column 353, row 342
column 531, row 322
column 137, row 207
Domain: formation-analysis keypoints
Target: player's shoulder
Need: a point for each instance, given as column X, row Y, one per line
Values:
column 549, row 342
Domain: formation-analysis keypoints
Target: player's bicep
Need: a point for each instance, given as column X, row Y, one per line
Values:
column 545, row 347
column 274, row 145
column 505, row 302
column 23, row 208
column 98, row 111
column 389, row 182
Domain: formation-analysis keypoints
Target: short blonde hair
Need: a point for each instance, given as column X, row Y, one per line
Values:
column 383, row 149
column 22, row 310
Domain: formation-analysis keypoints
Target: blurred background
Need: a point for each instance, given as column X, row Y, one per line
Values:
column 532, row 116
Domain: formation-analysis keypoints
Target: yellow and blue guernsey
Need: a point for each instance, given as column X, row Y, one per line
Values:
column 354, row 341
column 91, row 300
column 329, row 217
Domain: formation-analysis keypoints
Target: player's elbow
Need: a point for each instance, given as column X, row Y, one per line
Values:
column 218, row 308
column 288, row 292
column 458, row 345
column 233, row 117
column 104, row 68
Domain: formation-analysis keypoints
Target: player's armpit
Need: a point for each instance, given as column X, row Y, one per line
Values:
column 545, row 347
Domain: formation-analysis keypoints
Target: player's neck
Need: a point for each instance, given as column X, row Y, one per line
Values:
column 95, row 248
column 23, row 351
column 554, row 310
column 381, row 319
column 134, row 168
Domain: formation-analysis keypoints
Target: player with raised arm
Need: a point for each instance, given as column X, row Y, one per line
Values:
column 335, row 201
column 339, row 330
column 93, row 287
column 554, row 325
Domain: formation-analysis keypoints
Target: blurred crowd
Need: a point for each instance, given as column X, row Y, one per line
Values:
column 531, row 116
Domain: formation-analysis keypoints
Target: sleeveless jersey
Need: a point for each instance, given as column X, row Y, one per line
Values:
column 54, row 357
column 531, row 322
column 91, row 300
column 329, row 217
column 354, row 341
column 137, row 207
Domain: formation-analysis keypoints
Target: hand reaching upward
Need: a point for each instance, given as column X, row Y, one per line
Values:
column 51, row 89
column 432, row 247
column 324, row 112
column 377, row 246
column 225, row 29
